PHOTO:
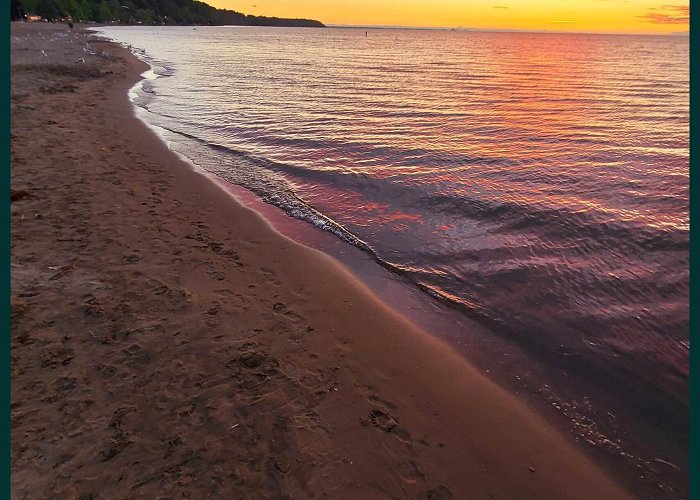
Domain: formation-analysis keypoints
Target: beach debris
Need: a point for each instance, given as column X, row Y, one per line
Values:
column 531, row 469
column 234, row 426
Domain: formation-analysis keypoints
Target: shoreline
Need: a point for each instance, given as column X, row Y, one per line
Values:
column 616, row 440
column 297, row 363
column 605, row 426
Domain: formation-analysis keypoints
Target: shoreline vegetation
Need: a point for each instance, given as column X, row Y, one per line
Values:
column 167, row 341
column 147, row 12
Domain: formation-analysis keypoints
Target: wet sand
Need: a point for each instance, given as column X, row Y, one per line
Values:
column 167, row 342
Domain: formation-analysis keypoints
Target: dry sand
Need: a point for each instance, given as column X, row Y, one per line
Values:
column 167, row 343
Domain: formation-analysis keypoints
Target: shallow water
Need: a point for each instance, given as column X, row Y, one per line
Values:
column 537, row 182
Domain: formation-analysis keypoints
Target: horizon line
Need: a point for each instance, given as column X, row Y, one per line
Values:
column 503, row 30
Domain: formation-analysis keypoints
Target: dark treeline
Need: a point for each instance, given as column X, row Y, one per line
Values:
column 191, row 12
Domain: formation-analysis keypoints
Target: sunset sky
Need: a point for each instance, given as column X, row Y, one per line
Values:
column 619, row 16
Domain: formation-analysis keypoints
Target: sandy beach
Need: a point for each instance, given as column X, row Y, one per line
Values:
column 168, row 343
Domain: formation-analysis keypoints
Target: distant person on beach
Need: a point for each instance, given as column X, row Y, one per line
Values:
column 17, row 11
column 70, row 25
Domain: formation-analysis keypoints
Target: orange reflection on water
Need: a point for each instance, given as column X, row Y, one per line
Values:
column 554, row 101
column 353, row 208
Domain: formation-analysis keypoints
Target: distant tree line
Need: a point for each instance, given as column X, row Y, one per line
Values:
column 189, row 12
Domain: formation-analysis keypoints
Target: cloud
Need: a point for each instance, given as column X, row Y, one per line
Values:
column 668, row 14
column 500, row 6
column 685, row 9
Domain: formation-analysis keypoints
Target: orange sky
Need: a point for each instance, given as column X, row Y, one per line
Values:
column 619, row 16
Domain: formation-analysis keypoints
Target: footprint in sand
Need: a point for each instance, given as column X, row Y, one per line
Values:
column 53, row 357
column 233, row 300
column 439, row 493
column 251, row 359
column 247, row 346
column 309, row 420
column 282, row 309
column 410, row 472
column 381, row 418
column 383, row 403
column 218, row 276
column 270, row 276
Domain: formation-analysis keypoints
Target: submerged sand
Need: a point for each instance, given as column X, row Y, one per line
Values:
column 167, row 342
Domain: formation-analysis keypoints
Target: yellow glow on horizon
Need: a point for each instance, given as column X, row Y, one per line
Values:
column 617, row 16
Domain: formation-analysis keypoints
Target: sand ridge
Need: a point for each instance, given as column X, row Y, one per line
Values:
column 166, row 342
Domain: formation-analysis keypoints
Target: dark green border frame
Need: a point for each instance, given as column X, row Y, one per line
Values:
column 5, row 254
